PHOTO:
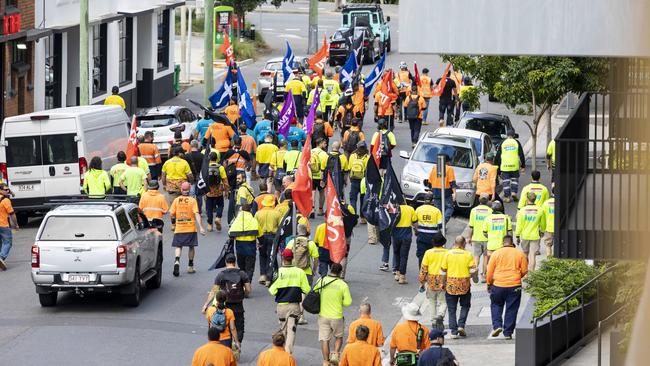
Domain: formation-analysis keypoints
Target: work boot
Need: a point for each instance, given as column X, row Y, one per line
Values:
column 173, row 227
column 506, row 200
column 441, row 123
column 190, row 269
column 496, row 332
column 3, row 265
column 514, row 197
column 302, row 321
column 402, row 280
column 177, row 268
column 209, row 227
column 334, row 358
column 363, row 221
column 217, row 223
column 397, row 274
column 461, row 332
column 262, row 279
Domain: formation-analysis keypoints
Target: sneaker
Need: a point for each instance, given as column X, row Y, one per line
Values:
column 177, row 268
column 262, row 280
column 454, row 336
column 461, row 332
column 190, row 269
column 217, row 223
column 311, row 215
column 507, row 337
column 334, row 358
column 320, row 212
column 397, row 276
column 496, row 332
column 475, row 277
column 425, row 123
column 372, row 243
column 209, row 227
column 384, row 267
column 3, row 265
column 302, row 321
column 402, row 280
column 412, row 145
column 506, row 200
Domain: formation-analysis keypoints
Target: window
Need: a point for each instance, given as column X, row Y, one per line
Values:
column 21, row 53
column 78, row 228
column 52, row 71
column 59, row 149
column 23, row 151
column 99, row 59
column 163, row 40
column 123, row 222
column 488, row 126
column 126, row 50
column 11, row 3
column 134, row 216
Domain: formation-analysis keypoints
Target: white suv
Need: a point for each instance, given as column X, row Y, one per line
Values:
column 96, row 246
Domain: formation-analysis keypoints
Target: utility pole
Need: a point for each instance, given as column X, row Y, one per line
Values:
column 312, row 39
column 184, row 42
column 84, row 92
column 208, row 45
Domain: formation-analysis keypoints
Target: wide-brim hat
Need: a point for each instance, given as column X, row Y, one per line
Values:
column 411, row 311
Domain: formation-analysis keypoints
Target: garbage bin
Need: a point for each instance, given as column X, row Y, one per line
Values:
column 177, row 79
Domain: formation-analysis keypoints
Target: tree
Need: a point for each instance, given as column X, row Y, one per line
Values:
column 537, row 81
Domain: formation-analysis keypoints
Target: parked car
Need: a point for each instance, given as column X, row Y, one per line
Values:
column 163, row 121
column 495, row 125
column 373, row 16
column 273, row 66
column 466, row 149
column 344, row 40
column 89, row 247
column 44, row 155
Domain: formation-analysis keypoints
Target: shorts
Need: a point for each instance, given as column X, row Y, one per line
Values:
column 480, row 248
column 548, row 239
column 185, row 240
column 315, row 184
column 330, row 327
column 530, row 245
column 174, row 185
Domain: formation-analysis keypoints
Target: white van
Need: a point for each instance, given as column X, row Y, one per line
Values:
column 43, row 155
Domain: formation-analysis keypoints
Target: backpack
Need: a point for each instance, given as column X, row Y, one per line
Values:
column 352, row 141
column 318, row 132
column 412, row 108
column 347, row 118
column 446, row 358
column 311, row 303
column 218, row 320
column 234, row 291
column 314, row 162
column 214, row 175
column 300, row 252
column 231, row 171
column 385, row 145
column 357, row 168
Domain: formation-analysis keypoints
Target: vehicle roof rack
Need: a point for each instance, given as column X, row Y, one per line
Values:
column 361, row 6
column 112, row 200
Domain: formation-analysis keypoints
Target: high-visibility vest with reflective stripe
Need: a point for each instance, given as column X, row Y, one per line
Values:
column 150, row 153
column 425, row 87
column 429, row 219
column 509, row 155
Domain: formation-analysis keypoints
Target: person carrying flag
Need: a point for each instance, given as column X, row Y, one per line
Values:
column 219, row 135
column 318, row 164
column 446, row 103
column 384, row 141
column 296, row 87
column 232, row 111
column 345, row 112
column 385, row 99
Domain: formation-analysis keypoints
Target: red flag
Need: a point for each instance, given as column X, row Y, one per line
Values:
column 376, row 148
column 132, row 146
column 226, row 49
column 417, row 74
column 335, row 237
column 317, row 61
column 437, row 91
column 387, row 93
column 302, row 194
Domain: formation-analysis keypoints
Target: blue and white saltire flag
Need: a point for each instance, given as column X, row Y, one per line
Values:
column 374, row 76
column 287, row 64
column 222, row 96
column 245, row 102
column 348, row 70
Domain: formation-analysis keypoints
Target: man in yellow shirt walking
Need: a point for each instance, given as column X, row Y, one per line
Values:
column 430, row 274
column 457, row 267
column 402, row 236
column 478, row 240
column 530, row 222
column 115, row 98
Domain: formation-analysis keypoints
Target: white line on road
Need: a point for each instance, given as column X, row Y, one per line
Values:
column 268, row 29
column 293, row 36
column 292, row 29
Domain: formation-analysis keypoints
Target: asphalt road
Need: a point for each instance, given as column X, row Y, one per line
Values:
column 168, row 326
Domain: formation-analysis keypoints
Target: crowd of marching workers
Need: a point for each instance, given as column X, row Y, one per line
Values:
column 309, row 156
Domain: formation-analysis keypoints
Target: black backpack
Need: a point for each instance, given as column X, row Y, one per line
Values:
column 412, row 108
column 214, row 175
column 231, row 171
column 352, row 141
column 234, row 291
column 318, row 131
column 311, row 303
column 347, row 118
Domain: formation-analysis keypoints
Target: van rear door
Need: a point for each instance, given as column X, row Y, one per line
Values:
column 60, row 156
column 22, row 144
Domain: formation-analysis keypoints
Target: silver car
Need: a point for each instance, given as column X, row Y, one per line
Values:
column 89, row 247
column 163, row 121
column 466, row 148
column 274, row 65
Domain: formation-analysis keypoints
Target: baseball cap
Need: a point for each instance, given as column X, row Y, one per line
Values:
column 287, row 253
column 436, row 333
column 484, row 195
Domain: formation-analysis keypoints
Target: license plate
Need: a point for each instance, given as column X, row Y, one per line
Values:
column 78, row 278
column 25, row 187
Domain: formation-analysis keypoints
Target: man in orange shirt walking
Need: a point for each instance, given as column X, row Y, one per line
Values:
column 376, row 333
column 7, row 222
column 186, row 212
column 360, row 353
column 505, row 270
column 410, row 338
column 213, row 352
column 276, row 356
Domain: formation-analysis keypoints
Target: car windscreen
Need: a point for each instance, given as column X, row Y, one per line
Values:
column 487, row 126
column 274, row 66
column 340, row 36
column 78, row 228
column 156, row 121
column 427, row 152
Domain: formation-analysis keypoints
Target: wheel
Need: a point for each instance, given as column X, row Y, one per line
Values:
column 155, row 281
column 48, row 300
column 133, row 299
column 388, row 48
column 22, row 218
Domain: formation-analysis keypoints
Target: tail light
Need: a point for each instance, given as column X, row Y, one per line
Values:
column 366, row 43
column 3, row 171
column 265, row 74
column 83, row 166
column 36, row 256
column 334, row 45
column 121, row 256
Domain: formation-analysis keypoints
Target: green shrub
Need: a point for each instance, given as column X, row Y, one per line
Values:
column 557, row 279
column 244, row 50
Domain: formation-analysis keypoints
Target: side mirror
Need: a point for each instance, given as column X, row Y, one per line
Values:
column 388, row 19
column 404, row 155
column 426, row 183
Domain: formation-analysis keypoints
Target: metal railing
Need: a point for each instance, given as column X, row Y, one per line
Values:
column 569, row 346
column 614, row 315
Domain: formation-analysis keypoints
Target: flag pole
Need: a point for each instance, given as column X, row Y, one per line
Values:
column 294, row 222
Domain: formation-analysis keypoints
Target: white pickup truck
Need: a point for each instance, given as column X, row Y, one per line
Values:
column 96, row 246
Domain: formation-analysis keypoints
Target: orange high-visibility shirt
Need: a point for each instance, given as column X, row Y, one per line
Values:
column 150, row 153
column 153, row 204
column 450, row 176
column 232, row 112
column 221, row 134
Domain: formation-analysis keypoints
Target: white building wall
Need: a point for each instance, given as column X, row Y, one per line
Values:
column 525, row 27
column 146, row 51
column 39, row 76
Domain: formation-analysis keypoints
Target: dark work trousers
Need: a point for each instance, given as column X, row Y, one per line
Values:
column 246, row 253
column 231, row 205
column 355, row 191
column 424, row 242
column 212, row 203
column 155, row 171
column 416, row 125
column 446, row 106
column 452, row 305
column 401, row 248
column 384, row 239
column 238, row 309
column 508, row 297
column 324, row 261
column 266, row 244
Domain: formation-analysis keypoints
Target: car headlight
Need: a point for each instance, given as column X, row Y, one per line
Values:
column 411, row 178
column 467, row 185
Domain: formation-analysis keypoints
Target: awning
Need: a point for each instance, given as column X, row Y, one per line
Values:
column 29, row 35
column 112, row 17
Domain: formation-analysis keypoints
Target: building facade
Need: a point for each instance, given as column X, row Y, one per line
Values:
column 130, row 46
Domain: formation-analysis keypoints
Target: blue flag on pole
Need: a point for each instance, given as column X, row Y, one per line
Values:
column 374, row 76
column 348, row 70
column 246, row 108
column 287, row 64
column 222, row 96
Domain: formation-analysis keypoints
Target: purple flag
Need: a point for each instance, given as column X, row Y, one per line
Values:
column 312, row 112
column 287, row 113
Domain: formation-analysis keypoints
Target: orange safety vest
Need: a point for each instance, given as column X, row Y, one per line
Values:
column 403, row 77
column 150, row 153
column 261, row 198
column 221, row 134
column 153, row 204
column 425, row 87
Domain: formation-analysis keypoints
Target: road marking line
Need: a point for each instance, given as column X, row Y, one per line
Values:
column 292, row 29
column 290, row 36
column 268, row 29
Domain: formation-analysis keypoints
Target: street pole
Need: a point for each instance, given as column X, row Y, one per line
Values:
column 84, row 79
column 441, row 174
column 183, row 41
column 312, row 43
column 188, row 68
column 208, row 44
